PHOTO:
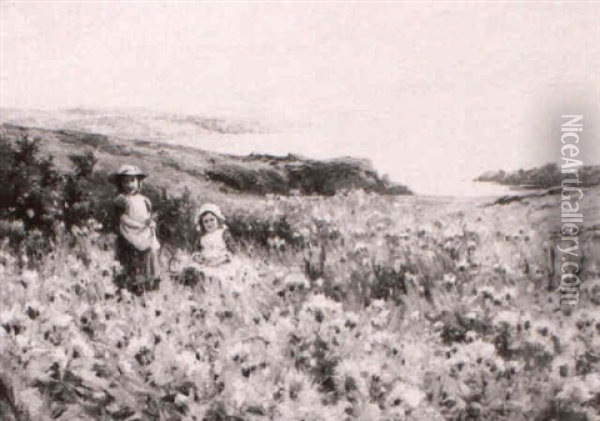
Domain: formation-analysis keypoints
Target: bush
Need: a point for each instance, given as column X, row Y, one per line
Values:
column 37, row 200
column 30, row 185
column 77, row 190
column 175, row 219
column 262, row 232
column 14, row 232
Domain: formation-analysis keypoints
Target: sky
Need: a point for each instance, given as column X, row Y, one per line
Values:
column 433, row 93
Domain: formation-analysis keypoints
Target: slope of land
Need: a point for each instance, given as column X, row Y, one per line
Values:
column 546, row 176
column 129, row 123
column 173, row 167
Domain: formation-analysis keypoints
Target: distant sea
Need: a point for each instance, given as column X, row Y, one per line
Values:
column 462, row 188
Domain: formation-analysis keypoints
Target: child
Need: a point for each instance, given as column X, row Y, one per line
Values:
column 215, row 240
column 137, row 246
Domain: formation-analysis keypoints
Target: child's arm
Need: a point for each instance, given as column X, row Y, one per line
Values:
column 119, row 209
column 132, row 223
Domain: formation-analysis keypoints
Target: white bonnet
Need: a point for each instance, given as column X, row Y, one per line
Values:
column 209, row 207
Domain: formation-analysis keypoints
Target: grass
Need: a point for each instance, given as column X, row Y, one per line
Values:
column 384, row 308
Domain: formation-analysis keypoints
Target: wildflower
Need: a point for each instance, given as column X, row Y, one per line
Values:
column 470, row 336
column 276, row 243
column 360, row 247
column 323, row 307
column 580, row 389
column 352, row 319
column 296, row 280
column 61, row 321
column 511, row 318
column 407, row 394
column 449, row 279
column 10, row 320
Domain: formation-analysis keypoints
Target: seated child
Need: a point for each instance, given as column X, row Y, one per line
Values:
column 215, row 239
column 137, row 246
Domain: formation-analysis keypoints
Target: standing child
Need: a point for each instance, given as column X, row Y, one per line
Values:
column 215, row 238
column 137, row 245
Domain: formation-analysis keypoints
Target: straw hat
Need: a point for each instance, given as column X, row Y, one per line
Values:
column 208, row 207
column 124, row 170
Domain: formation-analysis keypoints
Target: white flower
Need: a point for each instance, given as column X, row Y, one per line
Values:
column 580, row 389
column 296, row 279
column 472, row 315
column 449, row 279
column 415, row 315
column 140, row 343
column 79, row 345
column 509, row 317
column 61, row 320
column 370, row 412
column 352, row 318
column 11, row 316
column 471, row 336
column 126, row 367
column 34, row 400
column 360, row 246
column 407, row 394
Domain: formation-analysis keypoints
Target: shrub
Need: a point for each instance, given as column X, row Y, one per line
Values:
column 251, row 229
column 36, row 193
column 77, row 190
column 389, row 284
column 38, row 201
column 30, row 185
column 13, row 231
column 259, row 181
column 175, row 219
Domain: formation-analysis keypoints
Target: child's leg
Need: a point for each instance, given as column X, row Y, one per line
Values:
column 152, row 269
column 140, row 271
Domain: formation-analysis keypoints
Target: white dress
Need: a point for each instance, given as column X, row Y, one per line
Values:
column 213, row 246
column 138, row 208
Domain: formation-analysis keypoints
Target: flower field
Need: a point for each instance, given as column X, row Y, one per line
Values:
column 353, row 307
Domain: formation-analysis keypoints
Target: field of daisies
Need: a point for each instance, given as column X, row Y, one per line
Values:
column 368, row 308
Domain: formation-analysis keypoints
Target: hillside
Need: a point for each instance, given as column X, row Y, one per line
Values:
column 174, row 167
column 546, row 176
column 129, row 123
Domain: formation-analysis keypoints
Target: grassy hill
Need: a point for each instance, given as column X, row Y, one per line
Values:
column 546, row 176
column 130, row 123
column 173, row 167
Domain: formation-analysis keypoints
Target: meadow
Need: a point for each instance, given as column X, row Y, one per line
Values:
column 351, row 306
column 365, row 307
